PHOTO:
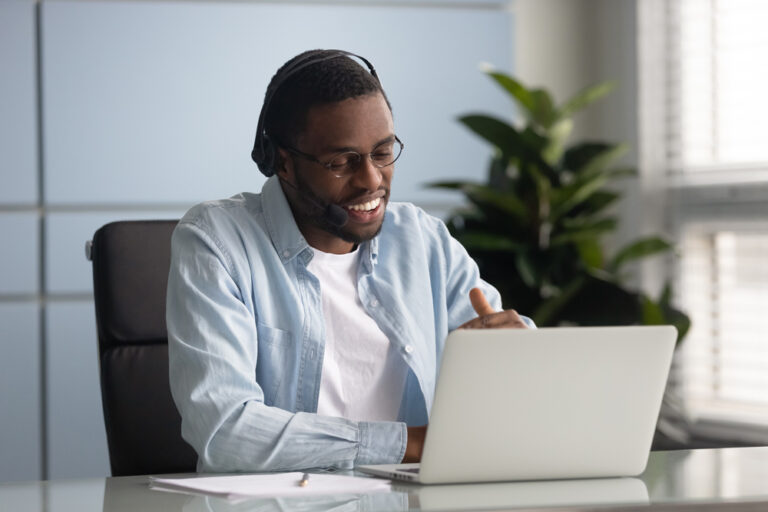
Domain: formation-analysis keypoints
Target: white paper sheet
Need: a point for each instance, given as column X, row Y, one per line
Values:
column 237, row 487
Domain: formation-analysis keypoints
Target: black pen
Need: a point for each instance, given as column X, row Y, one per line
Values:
column 304, row 480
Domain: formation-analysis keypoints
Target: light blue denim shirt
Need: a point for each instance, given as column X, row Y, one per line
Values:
column 246, row 331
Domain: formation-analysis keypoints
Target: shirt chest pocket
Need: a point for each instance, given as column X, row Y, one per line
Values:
column 276, row 368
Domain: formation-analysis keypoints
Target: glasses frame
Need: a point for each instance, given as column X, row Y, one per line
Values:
column 327, row 164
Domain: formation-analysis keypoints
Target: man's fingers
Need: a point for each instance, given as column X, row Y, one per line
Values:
column 503, row 319
column 480, row 303
column 487, row 317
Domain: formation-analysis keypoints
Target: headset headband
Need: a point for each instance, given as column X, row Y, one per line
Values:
column 264, row 150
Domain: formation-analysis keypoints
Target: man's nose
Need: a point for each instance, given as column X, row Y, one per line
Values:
column 367, row 176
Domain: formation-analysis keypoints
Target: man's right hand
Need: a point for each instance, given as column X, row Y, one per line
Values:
column 415, row 444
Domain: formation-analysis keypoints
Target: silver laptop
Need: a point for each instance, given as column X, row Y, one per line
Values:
column 539, row 404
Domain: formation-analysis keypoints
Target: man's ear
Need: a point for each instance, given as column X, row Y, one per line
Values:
column 284, row 166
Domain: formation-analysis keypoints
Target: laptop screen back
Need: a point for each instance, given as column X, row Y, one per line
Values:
column 517, row 404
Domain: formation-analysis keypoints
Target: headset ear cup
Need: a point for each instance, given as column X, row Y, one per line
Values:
column 263, row 155
column 269, row 157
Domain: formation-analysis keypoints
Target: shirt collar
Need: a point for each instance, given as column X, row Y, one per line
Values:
column 286, row 237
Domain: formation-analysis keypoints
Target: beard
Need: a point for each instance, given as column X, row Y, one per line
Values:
column 315, row 214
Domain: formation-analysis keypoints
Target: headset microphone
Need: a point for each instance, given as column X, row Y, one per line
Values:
column 334, row 214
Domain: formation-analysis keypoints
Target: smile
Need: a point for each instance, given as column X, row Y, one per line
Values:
column 365, row 207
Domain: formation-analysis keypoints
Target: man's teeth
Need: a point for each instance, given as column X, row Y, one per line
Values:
column 364, row 207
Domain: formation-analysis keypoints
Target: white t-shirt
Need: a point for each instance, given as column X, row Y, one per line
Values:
column 363, row 374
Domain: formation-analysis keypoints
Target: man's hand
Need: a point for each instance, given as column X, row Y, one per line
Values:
column 415, row 444
column 487, row 318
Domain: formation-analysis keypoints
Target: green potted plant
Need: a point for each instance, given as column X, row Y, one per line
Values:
column 537, row 226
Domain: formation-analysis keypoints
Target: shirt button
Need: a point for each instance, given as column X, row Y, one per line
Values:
column 374, row 303
column 286, row 254
column 408, row 349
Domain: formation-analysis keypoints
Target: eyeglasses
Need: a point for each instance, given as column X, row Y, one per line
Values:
column 346, row 164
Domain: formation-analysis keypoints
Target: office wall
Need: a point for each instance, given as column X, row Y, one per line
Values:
column 146, row 108
column 20, row 363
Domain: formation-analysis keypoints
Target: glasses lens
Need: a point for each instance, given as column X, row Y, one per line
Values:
column 344, row 164
column 387, row 153
column 383, row 155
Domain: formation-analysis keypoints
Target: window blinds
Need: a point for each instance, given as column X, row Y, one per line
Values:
column 717, row 84
column 716, row 104
column 723, row 362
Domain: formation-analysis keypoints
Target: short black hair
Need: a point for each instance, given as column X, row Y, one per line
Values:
column 329, row 80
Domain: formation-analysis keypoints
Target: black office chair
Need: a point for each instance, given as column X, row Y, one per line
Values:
column 130, row 275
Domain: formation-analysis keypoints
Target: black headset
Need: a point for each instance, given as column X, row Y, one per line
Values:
column 264, row 149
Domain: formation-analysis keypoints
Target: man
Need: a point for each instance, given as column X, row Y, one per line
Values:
column 306, row 323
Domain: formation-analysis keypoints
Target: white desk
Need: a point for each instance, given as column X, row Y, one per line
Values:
column 717, row 479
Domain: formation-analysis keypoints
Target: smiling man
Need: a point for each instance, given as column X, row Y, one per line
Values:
column 348, row 151
column 306, row 323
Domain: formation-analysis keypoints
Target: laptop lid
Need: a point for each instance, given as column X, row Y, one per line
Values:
column 520, row 404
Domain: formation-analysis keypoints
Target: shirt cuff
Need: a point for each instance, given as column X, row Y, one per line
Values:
column 381, row 442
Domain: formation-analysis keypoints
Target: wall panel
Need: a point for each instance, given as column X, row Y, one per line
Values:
column 77, row 442
column 20, row 407
column 158, row 102
column 18, row 257
column 18, row 98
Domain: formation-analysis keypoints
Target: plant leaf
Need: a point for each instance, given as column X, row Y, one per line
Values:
column 498, row 133
column 526, row 269
column 516, row 90
column 451, row 185
column 558, row 134
column 665, row 298
column 506, row 138
column 591, row 253
column 680, row 320
column 585, row 97
column 652, row 312
column 597, row 202
column 498, row 177
column 483, row 196
column 586, row 233
column 533, row 139
column 483, row 241
column 506, row 202
column 577, row 156
column 544, row 113
column 601, row 160
column 571, row 196
column 673, row 316
column 549, row 308
column 638, row 249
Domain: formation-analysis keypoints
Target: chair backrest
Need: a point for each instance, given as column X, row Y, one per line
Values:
column 130, row 274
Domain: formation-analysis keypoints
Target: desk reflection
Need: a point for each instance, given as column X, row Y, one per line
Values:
column 403, row 497
column 553, row 493
column 712, row 476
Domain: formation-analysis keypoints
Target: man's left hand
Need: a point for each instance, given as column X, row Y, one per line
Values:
column 488, row 318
